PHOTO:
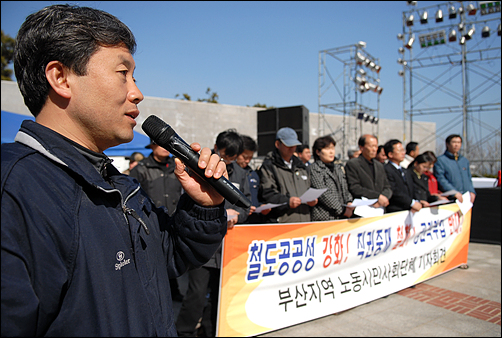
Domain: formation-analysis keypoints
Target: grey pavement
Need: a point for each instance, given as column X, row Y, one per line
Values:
column 401, row 316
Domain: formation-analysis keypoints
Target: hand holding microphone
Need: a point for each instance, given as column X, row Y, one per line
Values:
column 167, row 138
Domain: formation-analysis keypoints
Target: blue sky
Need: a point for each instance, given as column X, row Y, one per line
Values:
column 263, row 52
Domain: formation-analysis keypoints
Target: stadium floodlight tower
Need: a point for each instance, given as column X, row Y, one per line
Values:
column 354, row 92
column 452, row 66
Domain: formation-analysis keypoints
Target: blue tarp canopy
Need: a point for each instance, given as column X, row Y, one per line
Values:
column 11, row 122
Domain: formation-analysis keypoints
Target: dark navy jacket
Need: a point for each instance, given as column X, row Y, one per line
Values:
column 76, row 260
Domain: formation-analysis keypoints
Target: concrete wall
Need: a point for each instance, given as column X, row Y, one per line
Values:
column 202, row 122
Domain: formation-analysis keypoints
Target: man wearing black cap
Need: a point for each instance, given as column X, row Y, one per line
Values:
column 283, row 179
column 156, row 175
column 133, row 161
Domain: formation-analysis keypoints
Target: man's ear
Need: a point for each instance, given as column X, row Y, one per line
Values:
column 57, row 76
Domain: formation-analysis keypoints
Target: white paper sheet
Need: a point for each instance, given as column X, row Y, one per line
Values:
column 361, row 202
column 439, row 202
column 312, row 194
column 367, row 211
column 267, row 206
column 466, row 205
column 449, row 192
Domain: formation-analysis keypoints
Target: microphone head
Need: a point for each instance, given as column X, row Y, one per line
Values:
column 158, row 130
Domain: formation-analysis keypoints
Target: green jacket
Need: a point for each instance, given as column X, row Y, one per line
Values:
column 278, row 183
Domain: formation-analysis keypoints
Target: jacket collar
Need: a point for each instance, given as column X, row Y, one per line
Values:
column 63, row 151
column 450, row 155
column 279, row 162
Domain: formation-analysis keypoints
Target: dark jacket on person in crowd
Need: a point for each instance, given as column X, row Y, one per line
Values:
column 159, row 181
column 403, row 191
column 331, row 176
column 278, row 183
column 85, row 252
column 237, row 176
column 421, row 187
column 364, row 183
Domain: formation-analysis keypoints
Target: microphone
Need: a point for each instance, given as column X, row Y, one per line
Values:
column 166, row 137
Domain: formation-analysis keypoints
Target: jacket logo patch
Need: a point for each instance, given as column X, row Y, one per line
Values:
column 120, row 257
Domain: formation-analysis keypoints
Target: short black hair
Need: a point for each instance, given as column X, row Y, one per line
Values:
column 422, row 158
column 452, row 136
column 389, row 146
column 249, row 143
column 362, row 140
column 300, row 148
column 64, row 33
column 411, row 146
column 231, row 141
column 321, row 143
column 431, row 156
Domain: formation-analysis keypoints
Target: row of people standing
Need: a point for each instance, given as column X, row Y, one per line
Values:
column 281, row 179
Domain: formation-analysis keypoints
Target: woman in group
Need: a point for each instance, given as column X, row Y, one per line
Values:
column 419, row 166
column 324, row 173
column 433, row 182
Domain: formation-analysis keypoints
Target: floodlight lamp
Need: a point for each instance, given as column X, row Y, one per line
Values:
column 471, row 10
column 378, row 68
column 400, row 36
column 375, row 120
column 470, row 33
column 423, row 18
column 361, row 44
column 460, row 10
column 366, row 117
column 439, row 16
column 461, row 26
column 401, row 50
column 367, row 62
column 409, row 20
column 372, row 65
column 410, row 41
column 452, row 12
column 485, row 33
column 462, row 40
column 412, row 3
column 360, row 116
column 452, row 37
column 372, row 87
column 361, row 71
column 360, row 81
column 400, row 61
column 372, row 118
column 401, row 73
column 360, row 58
column 379, row 90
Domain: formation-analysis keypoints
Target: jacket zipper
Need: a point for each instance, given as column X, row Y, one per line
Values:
column 134, row 214
column 126, row 210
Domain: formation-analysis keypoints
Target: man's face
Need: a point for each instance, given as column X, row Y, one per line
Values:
column 370, row 148
column 454, row 145
column 244, row 158
column 305, row 155
column 103, row 103
column 159, row 153
column 226, row 158
column 380, row 156
column 397, row 154
column 416, row 152
column 286, row 152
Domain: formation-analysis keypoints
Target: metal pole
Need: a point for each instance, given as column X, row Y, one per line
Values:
column 464, row 92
